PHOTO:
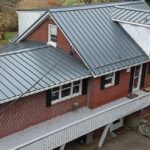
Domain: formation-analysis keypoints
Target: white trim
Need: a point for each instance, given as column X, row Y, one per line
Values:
column 54, row 44
column 42, row 90
column 113, row 80
column 139, row 80
column 128, row 22
column 60, row 99
column 49, row 35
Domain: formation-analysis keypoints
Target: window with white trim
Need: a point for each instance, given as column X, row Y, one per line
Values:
column 109, row 79
column 52, row 35
column 66, row 91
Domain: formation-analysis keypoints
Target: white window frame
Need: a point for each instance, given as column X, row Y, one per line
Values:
column 60, row 99
column 113, row 80
column 49, row 35
column 139, row 81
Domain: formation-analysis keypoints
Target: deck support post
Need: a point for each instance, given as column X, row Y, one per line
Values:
column 104, row 134
column 62, row 147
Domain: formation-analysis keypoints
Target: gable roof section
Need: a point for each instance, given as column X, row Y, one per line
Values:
column 131, row 15
column 20, row 70
column 31, row 28
column 102, row 43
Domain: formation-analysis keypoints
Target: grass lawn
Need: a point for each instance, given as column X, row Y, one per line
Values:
column 72, row 2
column 8, row 36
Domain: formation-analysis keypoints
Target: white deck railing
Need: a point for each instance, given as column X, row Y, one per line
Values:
column 93, row 119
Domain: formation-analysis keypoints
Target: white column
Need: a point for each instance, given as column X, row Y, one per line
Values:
column 102, row 139
column 62, row 147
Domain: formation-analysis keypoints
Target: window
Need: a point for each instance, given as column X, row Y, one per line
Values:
column 55, row 93
column 109, row 79
column 52, row 35
column 66, row 91
column 137, row 78
column 76, row 87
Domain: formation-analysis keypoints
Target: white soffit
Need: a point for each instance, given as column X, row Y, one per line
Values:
column 140, row 34
column 27, row 18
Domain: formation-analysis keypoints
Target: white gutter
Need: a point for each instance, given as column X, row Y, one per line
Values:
column 41, row 90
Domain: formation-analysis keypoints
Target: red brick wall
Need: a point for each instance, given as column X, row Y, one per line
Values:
column 32, row 110
column 40, row 34
column 99, row 97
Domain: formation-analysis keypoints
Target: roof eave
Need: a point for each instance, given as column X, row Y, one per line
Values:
column 41, row 90
column 95, row 76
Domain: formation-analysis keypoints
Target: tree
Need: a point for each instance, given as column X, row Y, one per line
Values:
column 8, row 19
column 31, row 4
column 88, row 1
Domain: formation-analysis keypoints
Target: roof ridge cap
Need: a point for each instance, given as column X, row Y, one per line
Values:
column 135, row 9
column 93, row 6
column 22, row 50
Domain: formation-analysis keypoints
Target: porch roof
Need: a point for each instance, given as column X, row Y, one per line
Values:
column 67, row 127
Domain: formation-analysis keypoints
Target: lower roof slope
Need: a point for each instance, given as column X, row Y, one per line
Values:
column 101, row 42
column 19, row 71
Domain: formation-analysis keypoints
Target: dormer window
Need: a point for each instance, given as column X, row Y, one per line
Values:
column 52, row 35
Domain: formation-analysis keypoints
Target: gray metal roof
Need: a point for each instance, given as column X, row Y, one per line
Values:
column 131, row 15
column 19, row 71
column 12, row 47
column 102, row 43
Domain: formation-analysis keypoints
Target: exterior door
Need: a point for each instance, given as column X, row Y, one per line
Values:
column 137, row 78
